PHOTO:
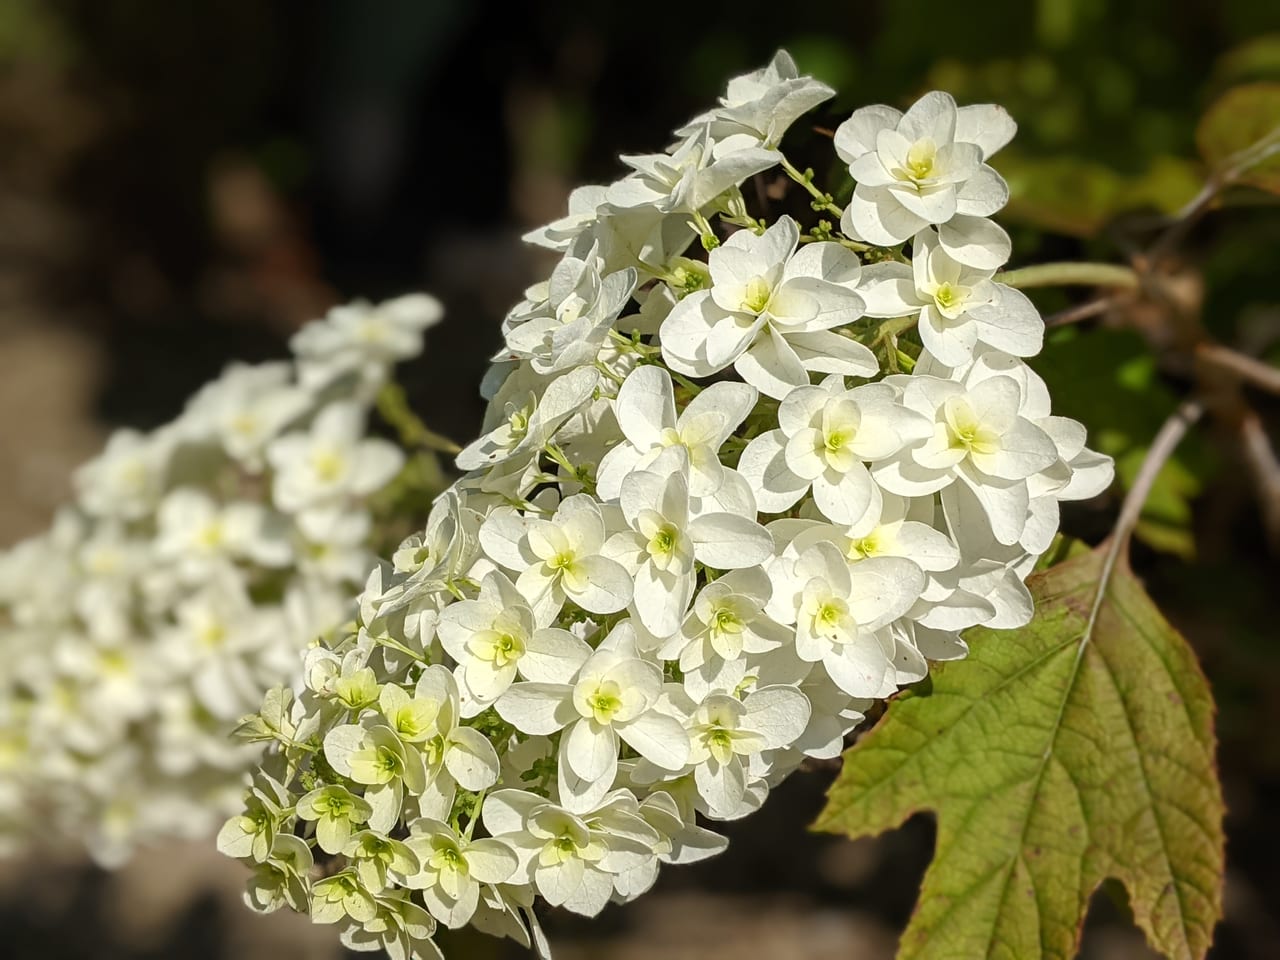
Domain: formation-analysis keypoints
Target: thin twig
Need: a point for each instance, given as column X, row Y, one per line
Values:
column 1162, row 447
column 1081, row 311
column 1260, row 374
column 1262, row 460
column 1183, row 220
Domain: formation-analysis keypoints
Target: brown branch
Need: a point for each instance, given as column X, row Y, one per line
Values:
column 1265, row 467
column 1255, row 372
column 1183, row 220
column 1081, row 311
column 1162, row 447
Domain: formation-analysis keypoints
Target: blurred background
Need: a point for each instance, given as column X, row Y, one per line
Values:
column 186, row 183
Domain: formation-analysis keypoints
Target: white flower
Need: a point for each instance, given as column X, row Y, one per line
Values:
column 522, row 426
column 958, row 306
column 927, row 167
column 372, row 754
column 696, row 173
column 363, row 338
column 664, row 540
column 725, row 732
column 572, row 858
column 453, row 867
column 646, row 411
column 570, row 327
column 331, row 543
column 397, row 925
column 840, row 611
column 726, row 624
column 980, row 438
column 125, row 481
column 770, row 313
column 496, row 634
column 247, row 407
column 333, row 461
column 584, row 204
column 681, row 840
column 608, row 697
column 214, row 642
column 895, row 527
column 826, row 435
column 763, row 103
column 198, row 534
column 560, row 558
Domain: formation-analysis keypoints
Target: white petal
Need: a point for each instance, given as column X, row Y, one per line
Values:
column 645, row 405
column 764, row 465
column 558, row 882
column 722, row 786
column 888, row 290
column 553, row 656
column 860, row 669
column 778, row 713
column 986, row 124
column 875, row 216
column 1011, row 323
column 771, row 365
column 662, row 598
column 537, row 708
column 658, row 738
column 883, row 589
column 857, row 135
column 591, row 749
column 975, row 242
column 608, row 587
column 726, row 541
column 983, row 194
column 471, row 760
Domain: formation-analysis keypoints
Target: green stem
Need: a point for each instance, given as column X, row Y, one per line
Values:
column 1067, row 274
column 821, row 199
column 475, row 815
column 394, row 408
column 397, row 645
column 703, row 226
column 892, row 329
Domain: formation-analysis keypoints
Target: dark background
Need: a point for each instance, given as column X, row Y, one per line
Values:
column 184, row 183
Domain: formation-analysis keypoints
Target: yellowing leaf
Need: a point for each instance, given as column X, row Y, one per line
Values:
column 1239, row 136
column 1077, row 197
column 1077, row 748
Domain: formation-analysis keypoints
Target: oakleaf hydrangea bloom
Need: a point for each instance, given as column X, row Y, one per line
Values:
column 928, row 166
column 196, row 563
column 724, row 501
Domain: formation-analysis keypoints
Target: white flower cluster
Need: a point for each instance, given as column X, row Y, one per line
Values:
column 196, row 564
column 716, row 513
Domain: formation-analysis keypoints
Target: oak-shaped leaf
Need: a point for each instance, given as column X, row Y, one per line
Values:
column 1075, row 749
column 1239, row 136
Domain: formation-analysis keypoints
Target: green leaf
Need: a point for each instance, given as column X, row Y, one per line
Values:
column 1075, row 196
column 1077, row 748
column 1239, row 136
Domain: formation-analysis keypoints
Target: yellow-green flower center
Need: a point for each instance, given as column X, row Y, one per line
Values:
column 725, row 620
column 328, row 465
column 663, row 542
column 604, row 704
column 719, row 743
column 756, row 296
column 863, row 547
column 921, row 159
column 835, row 440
